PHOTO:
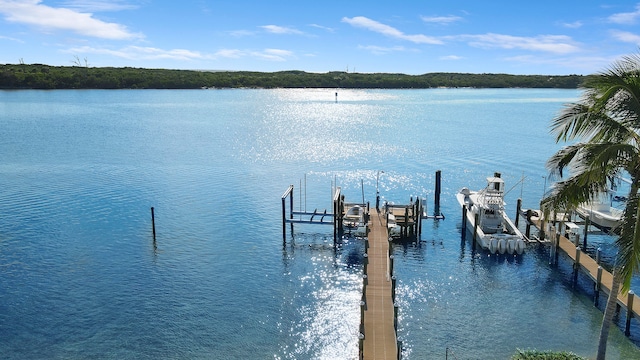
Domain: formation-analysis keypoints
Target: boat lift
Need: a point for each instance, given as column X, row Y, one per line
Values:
column 408, row 217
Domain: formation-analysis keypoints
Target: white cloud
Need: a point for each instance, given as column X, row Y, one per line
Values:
column 273, row 54
column 625, row 36
column 626, row 18
column 322, row 27
column 588, row 64
column 275, row 29
column 11, row 39
column 573, row 25
column 558, row 44
column 266, row 54
column 372, row 25
column 139, row 53
column 229, row 53
column 451, row 57
column 446, row 20
column 241, row 33
column 33, row 12
column 380, row 50
column 98, row 5
column 142, row 53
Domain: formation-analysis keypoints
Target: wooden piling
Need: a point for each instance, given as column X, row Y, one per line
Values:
column 576, row 265
column 393, row 289
column 543, row 223
column 284, row 222
column 464, row 220
column 365, row 262
column 420, row 212
column 557, row 246
column 587, row 222
column 553, row 251
column 527, row 232
column 603, row 280
column 598, row 285
column 437, row 193
column 405, row 228
column 475, row 231
column 288, row 193
column 627, row 327
column 153, row 223
column 395, row 317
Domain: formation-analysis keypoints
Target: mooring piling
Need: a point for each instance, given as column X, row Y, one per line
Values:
column 576, row 265
column 464, row 219
column 603, row 280
column 153, row 223
column 475, row 230
column 627, row 328
column 587, row 222
column 437, row 193
column 598, row 286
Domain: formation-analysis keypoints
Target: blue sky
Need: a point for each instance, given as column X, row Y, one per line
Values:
column 411, row 37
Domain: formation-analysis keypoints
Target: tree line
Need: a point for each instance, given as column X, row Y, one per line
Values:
column 37, row 76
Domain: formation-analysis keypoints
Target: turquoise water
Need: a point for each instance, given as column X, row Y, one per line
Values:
column 81, row 276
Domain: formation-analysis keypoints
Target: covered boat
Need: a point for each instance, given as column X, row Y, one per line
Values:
column 355, row 220
column 601, row 212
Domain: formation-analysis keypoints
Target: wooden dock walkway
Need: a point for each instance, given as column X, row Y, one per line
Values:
column 602, row 279
column 590, row 266
column 380, row 340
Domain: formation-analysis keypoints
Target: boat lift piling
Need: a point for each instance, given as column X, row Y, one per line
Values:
column 287, row 194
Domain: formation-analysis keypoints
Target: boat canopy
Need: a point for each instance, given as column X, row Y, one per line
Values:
column 495, row 183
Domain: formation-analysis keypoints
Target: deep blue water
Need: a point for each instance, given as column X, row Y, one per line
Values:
column 81, row 276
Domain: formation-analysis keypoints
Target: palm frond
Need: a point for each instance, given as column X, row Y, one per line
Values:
column 628, row 260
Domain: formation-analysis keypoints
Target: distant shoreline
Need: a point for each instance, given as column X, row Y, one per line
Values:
column 38, row 76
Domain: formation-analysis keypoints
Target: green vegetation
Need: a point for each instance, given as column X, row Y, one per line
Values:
column 602, row 129
column 35, row 76
column 545, row 355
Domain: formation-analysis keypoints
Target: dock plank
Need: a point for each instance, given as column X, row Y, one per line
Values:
column 590, row 267
column 380, row 340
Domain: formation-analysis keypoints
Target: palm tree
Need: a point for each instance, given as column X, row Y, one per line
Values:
column 605, row 125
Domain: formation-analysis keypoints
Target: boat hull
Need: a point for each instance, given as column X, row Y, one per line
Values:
column 354, row 221
column 605, row 220
column 508, row 241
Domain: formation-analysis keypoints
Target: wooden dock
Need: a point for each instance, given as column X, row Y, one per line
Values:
column 602, row 279
column 380, row 341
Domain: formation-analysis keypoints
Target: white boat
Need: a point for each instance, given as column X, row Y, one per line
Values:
column 495, row 231
column 354, row 219
column 601, row 212
column 392, row 226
